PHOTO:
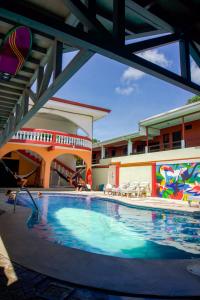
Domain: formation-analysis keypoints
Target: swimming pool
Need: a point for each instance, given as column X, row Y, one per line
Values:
column 106, row 227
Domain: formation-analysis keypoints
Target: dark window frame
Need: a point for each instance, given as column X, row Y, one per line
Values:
column 188, row 127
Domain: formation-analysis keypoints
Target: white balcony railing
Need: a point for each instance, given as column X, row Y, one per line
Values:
column 51, row 138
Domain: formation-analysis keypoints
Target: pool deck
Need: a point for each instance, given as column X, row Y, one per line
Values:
column 149, row 202
column 127, row 276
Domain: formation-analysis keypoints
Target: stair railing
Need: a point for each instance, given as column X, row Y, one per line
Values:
column 23, row 189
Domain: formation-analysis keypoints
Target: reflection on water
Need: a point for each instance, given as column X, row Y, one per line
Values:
column 98, row 230
column 99, row 226
column 182, row 232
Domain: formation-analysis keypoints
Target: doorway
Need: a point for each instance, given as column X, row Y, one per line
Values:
column 6, row 178
column 176, row 139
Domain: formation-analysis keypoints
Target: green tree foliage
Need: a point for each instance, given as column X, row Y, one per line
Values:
column 94, row 140
column 193, row 99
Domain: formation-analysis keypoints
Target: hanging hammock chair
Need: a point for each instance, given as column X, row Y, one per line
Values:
column 16, row 176
column 73, row 179
column 62, row 176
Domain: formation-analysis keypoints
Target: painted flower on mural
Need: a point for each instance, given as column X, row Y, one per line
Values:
column 195, row 190
column 174, row 180
column 177, row 196
column 170, row 192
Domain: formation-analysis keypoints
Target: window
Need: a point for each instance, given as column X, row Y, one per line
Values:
column 106, row 152
column 113, row 152
column 176, row 139
column 166, row 141
column 140, row 148
column 94, row 158
column 154, row 146
column 188, row 127
column 176, row 136
column 166, row 138
column 125, row 151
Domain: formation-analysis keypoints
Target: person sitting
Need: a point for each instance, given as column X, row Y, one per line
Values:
column 80, row 184
column 11, row 196
column 70, row 180
column 39, row 194
column 88, row 187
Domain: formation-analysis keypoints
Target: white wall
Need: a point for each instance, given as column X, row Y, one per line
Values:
column 78, row 120
column 99, row 176
column 49, row 122
column 129, row 174
column 185, row 153
column 126, row 174
column 111, row 174
column 68, row 160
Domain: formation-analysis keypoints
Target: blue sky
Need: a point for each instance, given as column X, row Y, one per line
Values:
column 131, row 95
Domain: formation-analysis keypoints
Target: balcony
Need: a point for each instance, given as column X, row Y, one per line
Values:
column 45, row 137
column 165, row 146
column 174, row 145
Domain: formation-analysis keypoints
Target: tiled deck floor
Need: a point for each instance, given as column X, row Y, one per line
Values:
column 19, row 283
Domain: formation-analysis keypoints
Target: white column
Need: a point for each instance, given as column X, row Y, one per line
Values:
column 129, row 147
column 182, row 144
column 102, row 152
column 146, row 149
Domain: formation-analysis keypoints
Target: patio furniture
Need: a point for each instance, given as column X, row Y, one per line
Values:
column 144, row 189
column 108, row 188
column 131, row 189
column 120, row 189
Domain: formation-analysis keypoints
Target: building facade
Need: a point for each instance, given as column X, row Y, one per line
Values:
column 51, row 143
column 165, row 152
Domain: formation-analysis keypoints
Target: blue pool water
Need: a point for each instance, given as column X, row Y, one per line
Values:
column 105, row 227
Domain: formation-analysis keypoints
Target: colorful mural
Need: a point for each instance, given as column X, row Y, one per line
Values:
column 178, row 180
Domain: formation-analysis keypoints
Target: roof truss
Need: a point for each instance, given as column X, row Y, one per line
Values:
column 99, row 29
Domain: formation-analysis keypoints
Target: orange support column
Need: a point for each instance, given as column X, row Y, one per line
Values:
column 153, row 193
column 42, row 173
column 47, row 170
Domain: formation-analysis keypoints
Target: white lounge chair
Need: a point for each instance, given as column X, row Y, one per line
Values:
column 108, row 188
column 144, row 189
column 131, row 189
column 119, row 190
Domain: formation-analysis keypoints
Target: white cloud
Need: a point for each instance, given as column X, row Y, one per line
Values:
column 130, row 74
column 151, row 55
column 195, row 73
column 155, row 57
column 124, row 90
